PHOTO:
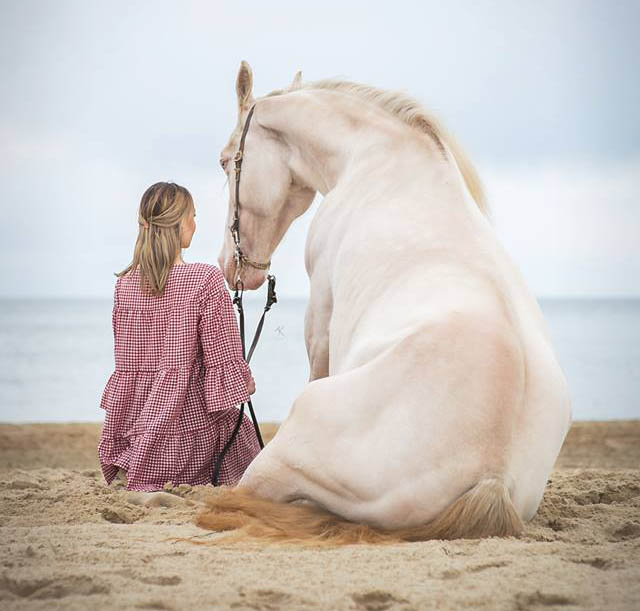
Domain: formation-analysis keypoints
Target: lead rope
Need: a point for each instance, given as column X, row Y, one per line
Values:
column 237, row 300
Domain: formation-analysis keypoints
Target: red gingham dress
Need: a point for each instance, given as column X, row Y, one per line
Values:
column 179, row 373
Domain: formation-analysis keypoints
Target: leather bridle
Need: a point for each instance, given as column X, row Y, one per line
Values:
column 240, row 258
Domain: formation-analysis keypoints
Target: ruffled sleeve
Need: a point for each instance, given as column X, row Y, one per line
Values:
column 227, row 373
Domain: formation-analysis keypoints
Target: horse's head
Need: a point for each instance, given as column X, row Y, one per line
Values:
column 270, row 197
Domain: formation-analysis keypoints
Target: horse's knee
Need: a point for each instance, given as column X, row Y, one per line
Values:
column 267, row 478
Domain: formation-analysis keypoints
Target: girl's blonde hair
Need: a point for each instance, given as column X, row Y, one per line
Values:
column 162, row 207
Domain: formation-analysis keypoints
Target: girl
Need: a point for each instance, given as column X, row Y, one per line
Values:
column 179, row 371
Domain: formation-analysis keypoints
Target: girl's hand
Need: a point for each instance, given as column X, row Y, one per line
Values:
column 251, row 386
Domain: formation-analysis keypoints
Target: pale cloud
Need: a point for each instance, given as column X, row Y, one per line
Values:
column 100, row 101
column 573, row 228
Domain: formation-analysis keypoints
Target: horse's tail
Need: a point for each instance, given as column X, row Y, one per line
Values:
column 483, row 511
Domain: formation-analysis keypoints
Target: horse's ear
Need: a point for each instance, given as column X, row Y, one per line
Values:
column 244, row 85
column 297, row 81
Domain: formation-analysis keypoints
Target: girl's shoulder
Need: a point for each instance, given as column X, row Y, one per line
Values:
column 209, row 279
column 207, row 273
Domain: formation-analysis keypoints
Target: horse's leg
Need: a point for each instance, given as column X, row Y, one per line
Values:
column 316, row 329
column 333, row 417
column 273, row 474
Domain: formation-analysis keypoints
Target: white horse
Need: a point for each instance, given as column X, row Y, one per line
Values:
column 436, row 406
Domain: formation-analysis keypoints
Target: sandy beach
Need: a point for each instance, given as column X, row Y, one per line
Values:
column 71, row 542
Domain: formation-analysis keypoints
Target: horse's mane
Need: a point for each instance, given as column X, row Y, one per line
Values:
column 409, row 111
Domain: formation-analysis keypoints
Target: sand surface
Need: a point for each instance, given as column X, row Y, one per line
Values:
column 70, row 542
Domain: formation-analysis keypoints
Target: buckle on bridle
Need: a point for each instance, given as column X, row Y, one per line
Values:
column 271, row 291
column 235, row 233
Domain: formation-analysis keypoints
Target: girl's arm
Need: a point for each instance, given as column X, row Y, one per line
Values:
column 228, row 376
column 113, row 313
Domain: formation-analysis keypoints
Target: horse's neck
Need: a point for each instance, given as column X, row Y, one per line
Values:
column 365, row 161
column 335, row 139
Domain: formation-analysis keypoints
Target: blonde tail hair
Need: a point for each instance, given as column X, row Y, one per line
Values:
column 483, row 511
column 162, row 208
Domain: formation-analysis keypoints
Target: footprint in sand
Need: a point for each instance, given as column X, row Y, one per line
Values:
column 489, row 565
column 154, row 604
column 559, row 524
column 155, row 499
column 597, row 563
column 161, row 580
column 21, row 484
column 45, row 589
column 268, row 600
column 630, row 530
column 121, row 514
column 531, row 602
column 376, row 600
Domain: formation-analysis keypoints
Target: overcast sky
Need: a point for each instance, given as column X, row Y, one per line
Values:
column 101, row 99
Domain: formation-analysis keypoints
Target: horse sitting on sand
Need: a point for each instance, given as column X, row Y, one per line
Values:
column 436, row 406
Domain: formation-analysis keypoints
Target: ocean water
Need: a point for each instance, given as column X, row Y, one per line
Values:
column 56, row 356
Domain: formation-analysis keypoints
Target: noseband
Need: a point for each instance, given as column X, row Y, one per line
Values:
column 240, row 258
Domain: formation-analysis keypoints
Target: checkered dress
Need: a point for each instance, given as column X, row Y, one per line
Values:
column 179, row 373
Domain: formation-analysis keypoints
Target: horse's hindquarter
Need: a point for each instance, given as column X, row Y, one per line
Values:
column 395, row 439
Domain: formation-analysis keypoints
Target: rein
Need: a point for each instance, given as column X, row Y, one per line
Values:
column 242, row 260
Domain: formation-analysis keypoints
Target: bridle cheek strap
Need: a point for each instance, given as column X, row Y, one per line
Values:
column 240, row 258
